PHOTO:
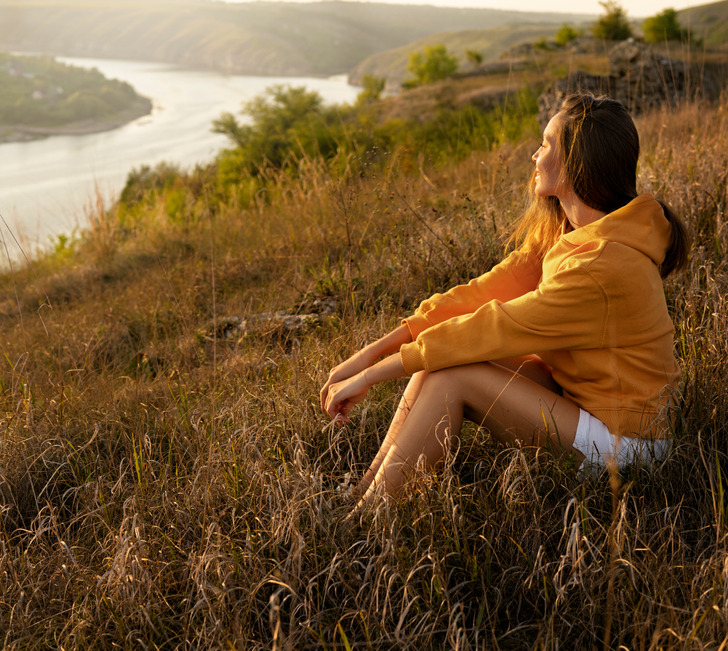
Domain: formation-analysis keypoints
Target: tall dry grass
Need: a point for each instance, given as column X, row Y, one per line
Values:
column 165, row 486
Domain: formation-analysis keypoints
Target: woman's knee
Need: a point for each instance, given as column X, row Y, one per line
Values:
column 458, row 382
column 446, row 378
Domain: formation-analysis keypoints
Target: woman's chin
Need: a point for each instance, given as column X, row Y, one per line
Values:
column 543, row 192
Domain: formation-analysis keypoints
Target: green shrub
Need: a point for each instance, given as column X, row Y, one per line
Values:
column 613, row 25
column 290, row 126
column 566, row 35
column 144, row 180
column 474, row 57
column 433, row 64
column 664, row 26
column 286, row 124
column 372, row 89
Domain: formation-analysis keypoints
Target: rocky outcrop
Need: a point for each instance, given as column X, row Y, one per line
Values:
column 267, row 324
column 640, row 79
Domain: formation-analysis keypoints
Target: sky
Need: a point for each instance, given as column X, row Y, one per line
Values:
column 634, row 8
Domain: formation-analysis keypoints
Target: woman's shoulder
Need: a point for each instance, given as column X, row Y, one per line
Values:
column 614, row 261
column 613, row 267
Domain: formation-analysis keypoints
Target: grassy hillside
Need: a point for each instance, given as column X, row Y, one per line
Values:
column 168, row 481
column 249, row 38
column 490, row 43
column 709, row 22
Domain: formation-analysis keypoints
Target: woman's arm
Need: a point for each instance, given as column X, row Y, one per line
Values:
column 515, row 276
column 570, row 310
column 342, row 396
column 362, row 360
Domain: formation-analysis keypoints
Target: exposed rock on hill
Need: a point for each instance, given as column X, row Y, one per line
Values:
column 641, row 80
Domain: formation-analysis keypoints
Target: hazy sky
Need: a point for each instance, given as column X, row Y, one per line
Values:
column 634, row 8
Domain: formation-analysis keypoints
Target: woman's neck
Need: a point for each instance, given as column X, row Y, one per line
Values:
column 577, row 212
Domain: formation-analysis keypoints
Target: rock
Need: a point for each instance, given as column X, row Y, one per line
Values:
column 270, row 323
column 266, row 323
column 628, row 56
column 582, row 45
column 639, row 79
column 521, row 50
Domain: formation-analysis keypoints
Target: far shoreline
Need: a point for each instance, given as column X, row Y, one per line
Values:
column 14, row 133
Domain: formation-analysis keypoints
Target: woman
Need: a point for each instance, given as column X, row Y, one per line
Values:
column 567, row 343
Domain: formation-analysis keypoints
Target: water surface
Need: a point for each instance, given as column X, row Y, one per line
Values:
column 47, row 186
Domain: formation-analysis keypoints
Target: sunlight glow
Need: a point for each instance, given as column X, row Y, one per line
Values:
column 634, row 8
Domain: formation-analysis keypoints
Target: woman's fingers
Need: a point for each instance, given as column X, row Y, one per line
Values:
column 332, row 379
column 344, row 371
column 333, row 406
column 342, row 396
column 324, row 394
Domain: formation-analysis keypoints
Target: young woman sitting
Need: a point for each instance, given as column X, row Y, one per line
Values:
column 567, row 343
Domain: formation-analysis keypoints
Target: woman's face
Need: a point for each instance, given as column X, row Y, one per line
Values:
column 549, row 177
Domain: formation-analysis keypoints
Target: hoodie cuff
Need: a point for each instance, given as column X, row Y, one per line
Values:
column 416, row 324
column 411, row 356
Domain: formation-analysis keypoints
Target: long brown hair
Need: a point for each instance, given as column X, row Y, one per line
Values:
column 599, row 147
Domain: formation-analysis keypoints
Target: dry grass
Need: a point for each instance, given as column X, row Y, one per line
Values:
column 162, row 486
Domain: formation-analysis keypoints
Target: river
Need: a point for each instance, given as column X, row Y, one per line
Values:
column 48, row 185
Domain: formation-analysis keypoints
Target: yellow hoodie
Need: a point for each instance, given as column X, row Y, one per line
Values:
column 594, row 310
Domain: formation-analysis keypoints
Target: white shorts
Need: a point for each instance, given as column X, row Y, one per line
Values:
column 600, row 446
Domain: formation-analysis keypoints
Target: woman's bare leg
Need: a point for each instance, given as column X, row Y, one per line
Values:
column 530, row 366
column 514, row 408
column 403, row 409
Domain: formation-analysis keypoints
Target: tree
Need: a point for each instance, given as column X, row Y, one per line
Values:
column 433, row 64
column 474, row 57
column 371, row 89
column 613, row 25
column 565, row 35
column 285, row 124
column 664, row 27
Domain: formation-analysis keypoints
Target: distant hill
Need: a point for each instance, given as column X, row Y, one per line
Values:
column 252, row 38
column 490, row 43
column 709, row 22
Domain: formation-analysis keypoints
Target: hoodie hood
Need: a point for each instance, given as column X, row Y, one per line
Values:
column 640, row 225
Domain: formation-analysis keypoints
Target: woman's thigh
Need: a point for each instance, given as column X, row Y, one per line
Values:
column 516, row 409
column 532, row 367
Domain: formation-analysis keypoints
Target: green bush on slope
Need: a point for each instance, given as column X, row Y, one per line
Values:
column 289, row 125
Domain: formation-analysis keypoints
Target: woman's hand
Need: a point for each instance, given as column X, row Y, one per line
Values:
column 365, row 358
column 355, row 364
column 342, row 396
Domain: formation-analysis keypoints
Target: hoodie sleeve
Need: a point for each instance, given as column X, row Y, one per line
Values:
column 567, row 311
column 518, row 274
